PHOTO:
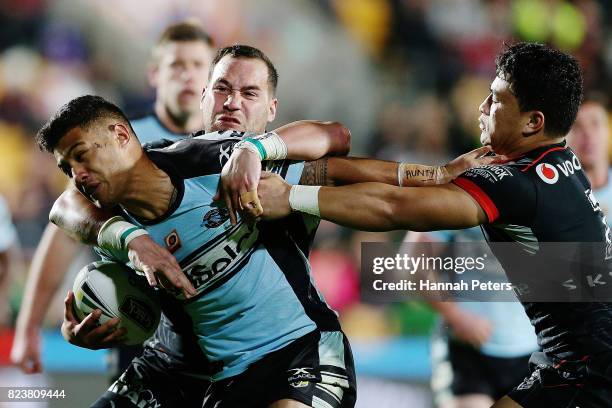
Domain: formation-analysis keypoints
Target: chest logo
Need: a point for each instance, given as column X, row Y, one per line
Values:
column 547, row 173
column 172, row 241
column 215, row 217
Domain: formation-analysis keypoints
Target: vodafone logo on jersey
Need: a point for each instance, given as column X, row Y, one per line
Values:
column 547, row 173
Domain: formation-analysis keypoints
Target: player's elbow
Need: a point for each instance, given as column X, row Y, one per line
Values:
column 341, row 138
column 56, row 215
column 402, row 211
column 388, row 211
column 60, row 207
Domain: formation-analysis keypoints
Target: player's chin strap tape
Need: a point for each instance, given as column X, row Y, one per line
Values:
column 269, row 146
column 305, row 199
column 116, row 234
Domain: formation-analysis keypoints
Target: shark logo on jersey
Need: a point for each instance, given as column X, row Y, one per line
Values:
column 215, row 217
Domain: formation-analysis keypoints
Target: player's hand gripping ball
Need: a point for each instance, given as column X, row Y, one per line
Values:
column 119, row 292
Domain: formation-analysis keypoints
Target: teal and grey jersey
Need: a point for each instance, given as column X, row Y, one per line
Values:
column 174, row 336
column 255, row 294
column 149, row 129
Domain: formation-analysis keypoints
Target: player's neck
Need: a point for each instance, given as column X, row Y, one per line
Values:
column 149, row 191
column 531, row 144
column 192, row 123
column 598, row 175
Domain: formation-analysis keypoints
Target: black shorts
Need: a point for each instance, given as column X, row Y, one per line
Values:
column 460, row 369
column 120, row 359
column 155, row 380
column 316, row 370
column 570, row 385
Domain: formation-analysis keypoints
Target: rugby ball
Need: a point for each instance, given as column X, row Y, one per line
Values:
column 119, row 292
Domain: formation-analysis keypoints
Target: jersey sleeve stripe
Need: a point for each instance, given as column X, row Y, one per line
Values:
column 480, row 196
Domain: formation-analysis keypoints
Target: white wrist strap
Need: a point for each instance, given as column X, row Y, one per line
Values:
column 305, row 199
column 420, row 175
column 117, row 233
column 250, row 146
column 275, row 147
column 400, row 174
column 268, row 147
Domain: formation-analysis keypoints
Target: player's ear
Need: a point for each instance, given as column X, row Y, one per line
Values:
column 153, row 75
column 534, row 123
column 272, row 109
column 202, row 98
column 122, row 133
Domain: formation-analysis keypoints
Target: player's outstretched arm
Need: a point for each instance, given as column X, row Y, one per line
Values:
column 312, row 139
column 374, row 206
column 302, row 140
column 349, row 170
column 81, row 219
column 239, row 177
column 49, row 265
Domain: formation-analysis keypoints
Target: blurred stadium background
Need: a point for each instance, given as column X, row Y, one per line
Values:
column 406, row 76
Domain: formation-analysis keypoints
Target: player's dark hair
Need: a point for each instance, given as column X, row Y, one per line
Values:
column 187, row 30
column 246, row 51
column 82, row 112
column 543, row 79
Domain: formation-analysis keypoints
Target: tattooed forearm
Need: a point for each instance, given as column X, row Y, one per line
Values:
column 315, row 173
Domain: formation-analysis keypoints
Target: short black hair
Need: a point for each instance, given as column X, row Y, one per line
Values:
column 246, row 51
column 82, row 112
column 543, row 79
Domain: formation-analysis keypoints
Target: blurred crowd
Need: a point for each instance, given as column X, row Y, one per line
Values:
column 406, row 76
